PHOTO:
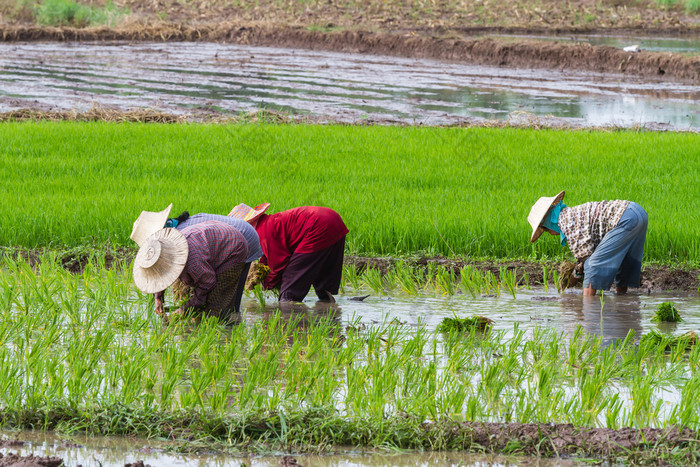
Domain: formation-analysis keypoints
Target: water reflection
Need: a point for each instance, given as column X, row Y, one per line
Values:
column 611, row 317
column 117, row 451
column 530, row 308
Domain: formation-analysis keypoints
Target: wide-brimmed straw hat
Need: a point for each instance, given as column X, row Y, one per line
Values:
column 247, row 213
column 539, row 211
column 160, row 260
column 148, row 223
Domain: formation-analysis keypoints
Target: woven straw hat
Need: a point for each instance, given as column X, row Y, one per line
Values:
column 247, row 213
column 148, row 223
column 160, row 260
column 539, row 211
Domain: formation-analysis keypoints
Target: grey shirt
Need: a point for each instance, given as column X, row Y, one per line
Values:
column 248, row 231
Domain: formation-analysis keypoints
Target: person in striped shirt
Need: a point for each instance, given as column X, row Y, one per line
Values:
column 606, row 238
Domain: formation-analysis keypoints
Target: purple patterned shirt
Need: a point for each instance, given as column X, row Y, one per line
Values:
column 214, row 247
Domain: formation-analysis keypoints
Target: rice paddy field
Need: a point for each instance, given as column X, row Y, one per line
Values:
column 400, row 190
column 84, row 353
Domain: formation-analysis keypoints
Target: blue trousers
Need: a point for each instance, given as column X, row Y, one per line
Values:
column 618, row 257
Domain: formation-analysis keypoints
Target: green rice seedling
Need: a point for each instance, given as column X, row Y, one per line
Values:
column 259, row 294
column 685, row 342
column 406, row 278
column 91, row 356
column 557, row 281
column 445, row 281
column 476, row 282
column 525, row 280
column 666, row 312
column 372, row 278
column 467, row 281
column 509, row 280
column 431, row 271
column 455, row 324
column 545, row 278
column 352, row 277
column 50, row 154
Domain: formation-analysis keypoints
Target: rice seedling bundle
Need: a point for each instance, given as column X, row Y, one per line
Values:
column 666, row 312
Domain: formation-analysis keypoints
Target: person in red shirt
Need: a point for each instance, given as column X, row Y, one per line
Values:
column 302, row 247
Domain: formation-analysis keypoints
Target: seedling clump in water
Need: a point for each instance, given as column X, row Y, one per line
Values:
column 480, row 323
column 687, row 340
column 666, row 312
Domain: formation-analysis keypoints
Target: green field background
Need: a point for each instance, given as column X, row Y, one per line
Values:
column 400, row 190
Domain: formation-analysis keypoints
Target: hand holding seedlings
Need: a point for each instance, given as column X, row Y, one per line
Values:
column 159, row 304
column 258, row 273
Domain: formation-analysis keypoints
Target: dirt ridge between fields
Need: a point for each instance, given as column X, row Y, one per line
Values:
column 480, row 51
column 654, row 277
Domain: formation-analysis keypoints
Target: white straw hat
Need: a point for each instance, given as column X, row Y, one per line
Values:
column 160, row 260
column 539, row 211
column 149, row 222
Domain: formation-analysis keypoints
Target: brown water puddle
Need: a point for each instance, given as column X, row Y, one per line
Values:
column 209, row 79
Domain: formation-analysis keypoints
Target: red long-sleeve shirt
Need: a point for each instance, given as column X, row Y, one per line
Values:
column 306, row 229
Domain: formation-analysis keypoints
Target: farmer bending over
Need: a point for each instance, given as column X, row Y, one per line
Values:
column 302, row 247
column 208, row 256
column 248, row 231
column 606, row 237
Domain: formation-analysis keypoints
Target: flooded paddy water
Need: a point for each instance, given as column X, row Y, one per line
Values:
column 684, row 45
column 120, row 451
column 221, row 79
column 610, row 318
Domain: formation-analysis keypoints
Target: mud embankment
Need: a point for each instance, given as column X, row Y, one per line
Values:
column 654, row 277
column 566, row 439
column 487, row 51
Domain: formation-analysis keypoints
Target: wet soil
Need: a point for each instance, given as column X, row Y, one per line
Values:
column 224, row 83
column 563, row 439
column 654, row 277
column 31, row 460
column 541, row 440
column 482, row 51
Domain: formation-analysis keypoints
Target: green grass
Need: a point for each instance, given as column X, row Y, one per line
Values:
column 72, row 13
column 87, row 353
column 690, row 6
column 400, row 190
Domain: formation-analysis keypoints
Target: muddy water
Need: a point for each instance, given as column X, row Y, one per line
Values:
column 206, row 78
column 684, row 45
column 116, row 452
column 611, row 318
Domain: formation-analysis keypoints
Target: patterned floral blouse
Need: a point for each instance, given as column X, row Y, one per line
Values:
column 585, row 225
